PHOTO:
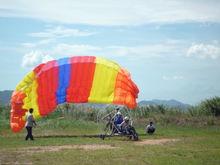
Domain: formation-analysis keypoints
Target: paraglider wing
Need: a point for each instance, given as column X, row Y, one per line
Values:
column 78, row 79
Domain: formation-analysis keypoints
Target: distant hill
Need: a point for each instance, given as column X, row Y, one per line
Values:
column 169, row 103
column 5, row 97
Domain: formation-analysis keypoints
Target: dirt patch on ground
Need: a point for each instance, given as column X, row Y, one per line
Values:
column 19, row 155
column 59, row 148
column 155, row 141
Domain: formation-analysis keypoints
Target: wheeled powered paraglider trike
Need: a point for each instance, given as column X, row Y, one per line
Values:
column 111, row 129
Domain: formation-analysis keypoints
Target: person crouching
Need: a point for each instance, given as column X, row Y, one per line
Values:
column 150, row 129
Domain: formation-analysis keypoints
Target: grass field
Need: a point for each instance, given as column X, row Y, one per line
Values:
column 192, row 145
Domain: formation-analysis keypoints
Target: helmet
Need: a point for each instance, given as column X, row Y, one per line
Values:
column 118, row 113
column 126, row 118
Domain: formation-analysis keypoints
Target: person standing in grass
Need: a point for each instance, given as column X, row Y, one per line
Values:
column 30, row 122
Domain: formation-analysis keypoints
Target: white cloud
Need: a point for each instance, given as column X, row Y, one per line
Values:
column 60, row 32
column 167, row 78
column 163, row 49
column 169, row 47
column 28, row 45
column 38, row 43
column 74, row 49
column 46, row 58
column 204, row 50
column 143, row 51
column 51, row 35
column 34, row 58
column 108, row 12
column 159, row 50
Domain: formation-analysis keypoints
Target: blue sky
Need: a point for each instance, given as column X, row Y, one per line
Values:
column 171, row 48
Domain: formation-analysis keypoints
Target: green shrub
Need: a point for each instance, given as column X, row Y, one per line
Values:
column 211, row 106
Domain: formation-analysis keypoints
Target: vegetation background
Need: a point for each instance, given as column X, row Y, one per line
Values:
column 196, row 131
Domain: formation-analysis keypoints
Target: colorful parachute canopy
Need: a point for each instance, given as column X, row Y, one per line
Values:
column 79, row 79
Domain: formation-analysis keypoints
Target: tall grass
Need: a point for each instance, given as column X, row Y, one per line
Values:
column 4, row 117
column 204, row 114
